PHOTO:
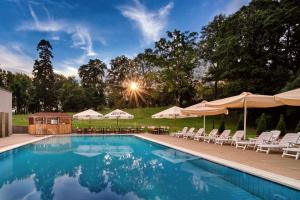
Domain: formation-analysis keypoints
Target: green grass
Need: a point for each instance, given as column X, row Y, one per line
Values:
column 142, row 117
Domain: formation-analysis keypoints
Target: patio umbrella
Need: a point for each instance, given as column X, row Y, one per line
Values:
column 291, row 98
column 171, row 113
column 118, row 114
column 246, row 100
column 88, row 115
column 201, row 109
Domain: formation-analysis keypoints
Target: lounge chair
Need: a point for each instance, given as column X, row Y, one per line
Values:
column 180, row 133
column 211, row 136
column 237, row 136
column 289, row 140
column 275, row 135
column 224, row 135
column 189, row 133
column 199, row 132
column 199, row 135
column 263, row 138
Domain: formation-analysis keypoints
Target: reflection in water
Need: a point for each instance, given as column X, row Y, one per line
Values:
column 109, row 167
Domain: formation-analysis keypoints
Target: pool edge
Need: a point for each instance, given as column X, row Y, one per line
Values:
column 280, row 179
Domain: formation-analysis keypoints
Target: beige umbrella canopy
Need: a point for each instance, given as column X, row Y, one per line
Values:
column 246, row 100
column 171, row 113
column 201, row 109
column 118, row 114
column 291, row 98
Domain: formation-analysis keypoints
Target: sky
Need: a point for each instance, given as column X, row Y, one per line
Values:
column 79, row 30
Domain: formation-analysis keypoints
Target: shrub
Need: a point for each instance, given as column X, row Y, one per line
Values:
column 298, row 127
column 240, row 125
column 262, row 124
column 281, row 125
column 222, row 125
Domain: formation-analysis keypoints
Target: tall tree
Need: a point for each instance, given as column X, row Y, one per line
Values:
column 176, row 57
column 92, row 80
column 43, row 78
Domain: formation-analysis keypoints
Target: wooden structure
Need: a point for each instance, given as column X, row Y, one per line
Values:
column 5, row 113
column 45, row 123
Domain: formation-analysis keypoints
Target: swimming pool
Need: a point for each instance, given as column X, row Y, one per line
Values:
column 123, row 167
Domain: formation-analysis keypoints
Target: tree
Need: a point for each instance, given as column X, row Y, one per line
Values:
column 43, row 78
column 281, row 125
column 92, row 80
column 72, row 97
column 222, row 125
column 240, row 124
column 176, row 57
column 297, row 130
column 122, row 71
column 262, row 124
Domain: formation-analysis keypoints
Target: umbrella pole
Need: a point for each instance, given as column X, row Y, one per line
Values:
column 245, row 118
column 204, row 122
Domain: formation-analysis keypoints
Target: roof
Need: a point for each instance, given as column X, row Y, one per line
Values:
column 50, row 114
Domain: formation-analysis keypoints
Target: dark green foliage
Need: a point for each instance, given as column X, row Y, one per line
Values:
column 240, row 124
column 43, row 78
column 281, row 125
column 262, row 124
column 222, row 125
column 297, row 130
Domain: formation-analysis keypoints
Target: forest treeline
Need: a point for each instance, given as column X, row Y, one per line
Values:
column 256, row 49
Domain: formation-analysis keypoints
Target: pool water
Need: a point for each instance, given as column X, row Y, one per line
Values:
column 123, row 167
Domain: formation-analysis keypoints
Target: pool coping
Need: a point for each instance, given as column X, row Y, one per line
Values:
column 14, row 146
column 280, row 179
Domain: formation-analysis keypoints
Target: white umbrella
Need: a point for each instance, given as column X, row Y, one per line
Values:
column 291, row 98
column 88, row 114
column 201, row 109
column 171, row 113
column 118, row 114
column 246, row 100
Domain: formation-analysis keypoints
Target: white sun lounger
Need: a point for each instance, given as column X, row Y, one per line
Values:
column 195, row 134
column 293, row 151
column 199, row 135
column 211, row 136
column 287, row 141
column 189, row 133
column 237, row 136
column 180, row 133
column 224, row 135
column 263, row 138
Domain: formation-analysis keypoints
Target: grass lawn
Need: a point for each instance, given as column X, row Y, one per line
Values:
column 142, row 117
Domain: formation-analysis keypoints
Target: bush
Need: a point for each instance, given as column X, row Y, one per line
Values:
column 222, row 125
column 281, row 125
column 240, row 125
column 262, row 124
column 298, row 127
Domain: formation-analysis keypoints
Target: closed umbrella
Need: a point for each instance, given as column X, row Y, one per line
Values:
column 291, row 98
column 246, row 100
column 201, row 109
column 118, row 114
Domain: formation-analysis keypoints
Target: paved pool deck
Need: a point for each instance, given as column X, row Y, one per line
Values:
column 272, row 162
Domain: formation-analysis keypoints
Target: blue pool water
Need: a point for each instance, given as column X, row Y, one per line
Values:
column 123, row 167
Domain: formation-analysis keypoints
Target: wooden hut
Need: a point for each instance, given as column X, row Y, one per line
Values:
column 45, row 123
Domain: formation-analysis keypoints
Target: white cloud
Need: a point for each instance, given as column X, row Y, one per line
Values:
column 70, row 66
column 13, row 58
column 80, row 34
column 234, row 5
column 150, row 23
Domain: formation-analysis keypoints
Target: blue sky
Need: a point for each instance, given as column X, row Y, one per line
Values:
column 83, row 29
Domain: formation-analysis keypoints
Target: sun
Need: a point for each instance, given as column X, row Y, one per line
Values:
column 133, row 86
